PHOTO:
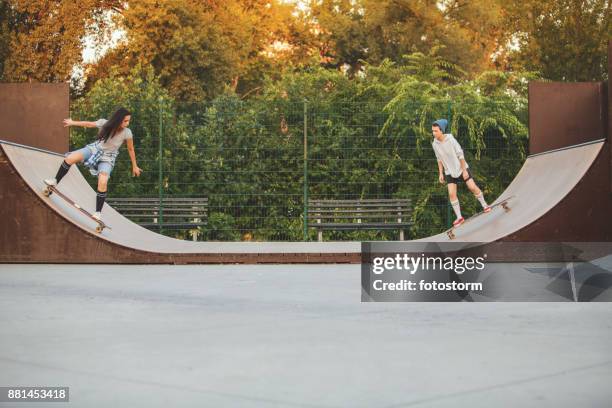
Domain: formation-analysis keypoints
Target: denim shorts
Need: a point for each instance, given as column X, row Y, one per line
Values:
column 103, row 167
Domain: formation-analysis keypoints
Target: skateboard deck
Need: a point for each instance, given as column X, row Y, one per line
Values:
column 52, row 189
column 502, row 203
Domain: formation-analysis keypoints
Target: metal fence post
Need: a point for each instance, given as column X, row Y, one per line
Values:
column 449, row 212
column 161, row 178
column 305, row 170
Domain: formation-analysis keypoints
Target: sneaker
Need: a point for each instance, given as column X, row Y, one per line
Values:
column 97, row 215
column 50, row 181
column 487, row 209
column 458, row 222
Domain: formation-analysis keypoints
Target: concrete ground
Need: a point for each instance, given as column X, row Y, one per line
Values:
column 287, row 336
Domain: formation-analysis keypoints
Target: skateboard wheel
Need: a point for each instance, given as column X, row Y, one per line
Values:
column 46, row 192
column 99, row 229
column 451, row 235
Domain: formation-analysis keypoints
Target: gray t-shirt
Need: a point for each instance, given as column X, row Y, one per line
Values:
column 114, row 143
column 449, row 152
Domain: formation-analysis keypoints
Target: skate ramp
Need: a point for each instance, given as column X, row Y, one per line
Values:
column 31, row 166
column 47, row 229
column 540, row 185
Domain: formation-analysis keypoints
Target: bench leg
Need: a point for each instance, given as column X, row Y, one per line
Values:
column 320, row 235
column 401, row 235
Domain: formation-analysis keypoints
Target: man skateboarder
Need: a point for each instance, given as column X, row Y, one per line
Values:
column 453, row 169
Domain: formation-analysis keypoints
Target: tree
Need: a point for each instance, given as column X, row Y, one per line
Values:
column 352, row 31
column 564, row 40
column 6, row 16
column 45, row 37
column 198, row 48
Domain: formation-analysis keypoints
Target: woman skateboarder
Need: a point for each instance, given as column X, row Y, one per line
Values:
column 100, row 155
column 453, row 168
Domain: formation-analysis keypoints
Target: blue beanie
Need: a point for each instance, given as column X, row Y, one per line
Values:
column 442, row 123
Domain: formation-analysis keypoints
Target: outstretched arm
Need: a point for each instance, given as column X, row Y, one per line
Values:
column 70, row 122
column 130, row 146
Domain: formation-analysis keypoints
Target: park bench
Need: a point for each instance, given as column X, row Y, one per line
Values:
column 177, row 213
column 364, row 214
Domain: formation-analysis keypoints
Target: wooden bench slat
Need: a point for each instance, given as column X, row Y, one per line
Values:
column 169, row 199
column 171, row 225
column 151, row 205
column 358, row 217
column 368, row 211
column 151, row 209
column 356, row 200
column 361, row 225
column 149, row 216
column 385, row 205
column 188, row 217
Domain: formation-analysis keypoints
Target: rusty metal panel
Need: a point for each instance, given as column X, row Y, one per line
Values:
column 609, row 106
column 32, row 114
column 565, row 114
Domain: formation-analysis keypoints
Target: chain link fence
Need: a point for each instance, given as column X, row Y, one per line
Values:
column 258, row 166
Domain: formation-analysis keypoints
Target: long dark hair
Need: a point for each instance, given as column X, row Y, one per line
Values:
column 111, row 126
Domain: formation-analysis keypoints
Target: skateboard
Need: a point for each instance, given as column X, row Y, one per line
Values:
column 52, row 189
column 503, row 203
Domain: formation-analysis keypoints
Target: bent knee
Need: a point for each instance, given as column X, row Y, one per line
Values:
column 102, row 179
column 74, row 158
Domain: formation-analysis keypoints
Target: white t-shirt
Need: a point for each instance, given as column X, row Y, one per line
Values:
column 449, row 152
column 114, row 143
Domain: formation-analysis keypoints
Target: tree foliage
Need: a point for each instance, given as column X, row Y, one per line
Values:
column 373, row 30
column 200, row 48
column 197, row 48
column 564, row 40
column 6, row 16
column 45, row 38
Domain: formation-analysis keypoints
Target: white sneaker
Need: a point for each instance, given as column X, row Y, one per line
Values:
column 50, row 181
column 97, row 215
